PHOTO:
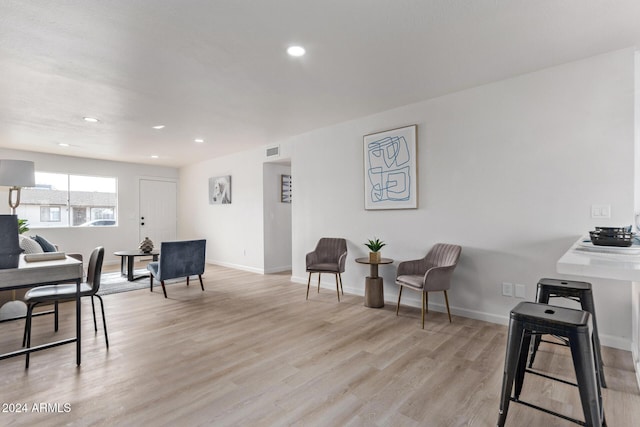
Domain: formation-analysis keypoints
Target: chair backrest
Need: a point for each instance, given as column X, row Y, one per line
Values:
column 95, row 269
column 443, row 255
column 330, row 248
column 181, row 259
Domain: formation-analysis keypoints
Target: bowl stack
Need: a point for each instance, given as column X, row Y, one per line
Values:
column 612, row 236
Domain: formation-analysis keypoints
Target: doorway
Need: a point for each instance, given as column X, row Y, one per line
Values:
column 277, row 217
column 158, row 216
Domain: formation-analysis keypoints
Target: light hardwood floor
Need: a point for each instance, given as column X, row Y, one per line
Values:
column 250, row 351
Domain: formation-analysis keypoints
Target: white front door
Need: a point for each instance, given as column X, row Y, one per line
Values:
column 158, row 211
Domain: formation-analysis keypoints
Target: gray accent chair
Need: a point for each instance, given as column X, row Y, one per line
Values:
column 329, row 256
column 67, row 292
column 429, row 274
column 178, row 259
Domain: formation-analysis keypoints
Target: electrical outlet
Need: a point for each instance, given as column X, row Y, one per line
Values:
column 507, row 289
column 521, row 292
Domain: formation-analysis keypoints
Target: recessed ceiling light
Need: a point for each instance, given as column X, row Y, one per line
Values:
column 296, row 50
column 91, row 119
column 159, row 127
column 199, row 140
column 154, row 156
column 63, row 144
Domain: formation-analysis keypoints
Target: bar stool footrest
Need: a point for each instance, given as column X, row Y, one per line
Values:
column 540, row 374
column 548, row 411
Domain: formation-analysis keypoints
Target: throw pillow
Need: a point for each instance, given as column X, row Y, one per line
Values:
column 29, row 246
column 46, row 245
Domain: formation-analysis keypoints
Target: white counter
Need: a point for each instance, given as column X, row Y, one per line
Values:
column 585, row 260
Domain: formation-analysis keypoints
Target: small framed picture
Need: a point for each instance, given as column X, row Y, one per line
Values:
column 220, row 190
column 285, row 188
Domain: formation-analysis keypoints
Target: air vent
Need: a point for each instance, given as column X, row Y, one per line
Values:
column 273, row 151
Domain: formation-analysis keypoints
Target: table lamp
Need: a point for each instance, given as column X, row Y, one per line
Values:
column 16, row 174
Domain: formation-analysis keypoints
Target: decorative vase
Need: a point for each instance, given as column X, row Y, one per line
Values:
column 9, row 245
column 146, row 245
column 374, row 257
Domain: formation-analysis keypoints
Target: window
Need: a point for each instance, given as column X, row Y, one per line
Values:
column 50, row 213
column 62, row 200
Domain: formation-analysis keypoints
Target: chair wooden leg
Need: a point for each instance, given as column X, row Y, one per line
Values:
column 201, row 284
column 308, row 285
column 150, row 282
column 104, row 319
column 446, row 299
column 164, row 291
column 341, row 288
column 187, row 280
column 337, row 288
column 399, row 296
column 319, row 274
column 424, row 303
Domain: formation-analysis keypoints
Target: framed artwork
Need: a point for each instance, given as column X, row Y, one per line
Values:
column 285, row 188
column 220, row 190
column 390, row 169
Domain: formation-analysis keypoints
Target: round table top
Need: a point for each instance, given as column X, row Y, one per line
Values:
column 136, row 252
column 366, row 261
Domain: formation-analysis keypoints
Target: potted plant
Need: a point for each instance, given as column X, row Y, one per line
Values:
column 23, row 227
column 374, row 246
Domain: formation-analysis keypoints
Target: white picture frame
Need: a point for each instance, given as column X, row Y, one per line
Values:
column 390, row 169
column 220, row 190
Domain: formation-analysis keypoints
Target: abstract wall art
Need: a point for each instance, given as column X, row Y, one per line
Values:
column 390, row 174
column 220, row 190
column 285, row 189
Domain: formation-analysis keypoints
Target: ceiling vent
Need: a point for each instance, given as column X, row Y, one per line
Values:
column 273, row 151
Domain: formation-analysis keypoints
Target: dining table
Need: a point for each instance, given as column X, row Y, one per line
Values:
column 30, row 274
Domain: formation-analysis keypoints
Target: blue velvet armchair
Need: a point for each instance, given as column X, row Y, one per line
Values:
column 178, row 259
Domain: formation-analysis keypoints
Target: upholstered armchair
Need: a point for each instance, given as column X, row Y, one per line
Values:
column 429, row 274
column 329, row 256
column 178, row 259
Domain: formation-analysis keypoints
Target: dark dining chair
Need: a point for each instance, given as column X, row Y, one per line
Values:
column 429, row 274
column 66, row 292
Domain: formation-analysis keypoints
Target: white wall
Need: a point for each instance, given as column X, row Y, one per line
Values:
column 508, row 170
column 84, row 239
column 234, row 232
column 277, row 220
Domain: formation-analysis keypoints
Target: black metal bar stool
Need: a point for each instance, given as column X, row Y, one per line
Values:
column 530, row 318
column 576, row 291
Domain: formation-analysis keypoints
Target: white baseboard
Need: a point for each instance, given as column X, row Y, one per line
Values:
column 606, row 340
column 236, row 266
column 277, row 269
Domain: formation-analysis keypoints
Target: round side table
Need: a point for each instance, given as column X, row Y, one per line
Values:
column 373, row 285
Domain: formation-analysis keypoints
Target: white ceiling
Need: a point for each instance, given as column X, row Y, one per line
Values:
column 218, row 70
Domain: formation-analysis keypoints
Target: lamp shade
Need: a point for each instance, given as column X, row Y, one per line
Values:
column 17, row 173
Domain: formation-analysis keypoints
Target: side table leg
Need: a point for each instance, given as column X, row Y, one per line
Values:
column 130, row 262
column 373, row 292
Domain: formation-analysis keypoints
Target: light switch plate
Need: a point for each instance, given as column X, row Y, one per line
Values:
column 600, row 211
